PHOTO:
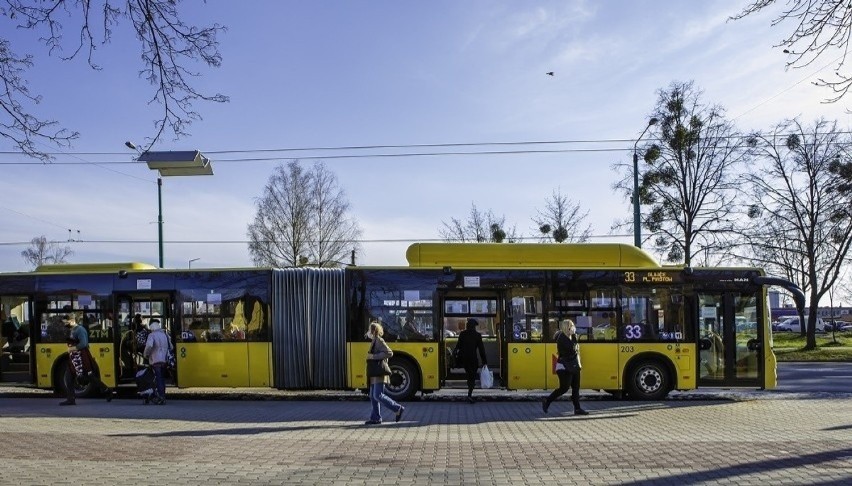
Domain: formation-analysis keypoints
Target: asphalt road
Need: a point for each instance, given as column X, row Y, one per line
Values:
column 815, row 377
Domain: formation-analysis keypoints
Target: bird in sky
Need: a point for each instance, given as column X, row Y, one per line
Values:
column 550, row 73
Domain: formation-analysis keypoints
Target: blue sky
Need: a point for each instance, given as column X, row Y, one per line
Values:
column 332, row 74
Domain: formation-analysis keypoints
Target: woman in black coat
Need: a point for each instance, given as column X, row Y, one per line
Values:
column 568, row 366
column 470, row 341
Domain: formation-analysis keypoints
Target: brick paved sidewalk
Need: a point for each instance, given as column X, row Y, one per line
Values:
column 747, row 441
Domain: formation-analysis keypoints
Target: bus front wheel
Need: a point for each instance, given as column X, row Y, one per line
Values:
column 649, row 380
column 404, row 380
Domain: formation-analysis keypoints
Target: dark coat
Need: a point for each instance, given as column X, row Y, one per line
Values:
column 566, row 347
column 470, row 341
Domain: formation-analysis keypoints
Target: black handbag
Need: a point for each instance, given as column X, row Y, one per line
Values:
column 377, row 367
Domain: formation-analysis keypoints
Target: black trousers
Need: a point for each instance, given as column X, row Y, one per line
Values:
column 470, row 371
column 69, row 384
column 567, row 380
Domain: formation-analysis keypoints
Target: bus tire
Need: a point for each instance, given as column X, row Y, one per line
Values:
column 649, row 380
column 79, row 391
column 404, row 380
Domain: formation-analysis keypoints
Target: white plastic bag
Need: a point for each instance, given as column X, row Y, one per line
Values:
column 486, row 378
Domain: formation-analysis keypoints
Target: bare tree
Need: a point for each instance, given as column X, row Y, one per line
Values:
column 168, row 46
column 42, row 251
column 801, row 219
column 688, row 176
column 562, row 220
column 821, row 26
column 302, row 218
column 480, row 227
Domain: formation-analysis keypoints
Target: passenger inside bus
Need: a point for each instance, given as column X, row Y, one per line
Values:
column 132, row 345
column 410, row 331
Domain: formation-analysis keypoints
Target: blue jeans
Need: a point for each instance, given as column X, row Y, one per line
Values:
column 377, row 397
column 160, row 379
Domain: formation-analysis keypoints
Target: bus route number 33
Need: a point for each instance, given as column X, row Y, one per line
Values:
column 633, row 331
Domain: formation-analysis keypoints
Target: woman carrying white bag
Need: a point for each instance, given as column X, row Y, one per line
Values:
column 470, row 341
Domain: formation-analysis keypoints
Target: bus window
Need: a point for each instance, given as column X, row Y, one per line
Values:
column 526, row 318
column 90, row 311
column 654, row 314
column 594, row 313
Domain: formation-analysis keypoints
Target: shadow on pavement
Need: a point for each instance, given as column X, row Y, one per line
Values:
column 745, row 469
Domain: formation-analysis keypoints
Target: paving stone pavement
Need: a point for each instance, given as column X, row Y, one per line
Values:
column 775, row 439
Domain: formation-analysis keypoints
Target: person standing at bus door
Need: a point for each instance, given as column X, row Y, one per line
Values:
column 470, row 342
column 379, row 350
column 157, row 353
column 568, row 366
column 80, row 361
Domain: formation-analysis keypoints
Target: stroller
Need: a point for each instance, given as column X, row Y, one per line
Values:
column 147, row 385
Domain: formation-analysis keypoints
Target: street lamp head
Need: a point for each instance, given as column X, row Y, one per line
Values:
column 130, row 145
column 653, row 121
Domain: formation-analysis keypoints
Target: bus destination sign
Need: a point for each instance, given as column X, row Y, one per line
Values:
column 651, row 277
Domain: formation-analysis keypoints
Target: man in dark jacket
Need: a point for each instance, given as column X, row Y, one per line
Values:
column 470, row 341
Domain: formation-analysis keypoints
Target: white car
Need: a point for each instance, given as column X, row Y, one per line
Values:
column 792, row 325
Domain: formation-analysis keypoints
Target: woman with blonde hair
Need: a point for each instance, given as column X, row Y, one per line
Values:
column 378, row 374
column 567, row 366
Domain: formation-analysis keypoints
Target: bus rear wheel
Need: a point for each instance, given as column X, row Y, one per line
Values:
column 649, row 380
column 81, row 390
column 404, row 380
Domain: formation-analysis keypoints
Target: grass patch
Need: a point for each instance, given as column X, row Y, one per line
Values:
column 788, row 347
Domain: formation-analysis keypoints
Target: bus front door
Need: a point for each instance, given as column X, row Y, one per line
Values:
column 16, row 339
column 134, row 313
column 729, row 339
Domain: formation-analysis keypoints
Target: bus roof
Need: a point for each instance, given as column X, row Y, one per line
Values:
column 528, row 255
column 92, row 267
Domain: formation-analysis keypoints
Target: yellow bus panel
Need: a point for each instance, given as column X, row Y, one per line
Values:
column 526, row 366
column 600, row 366
column 91, row 267
column 357, row 354
column 47, row 355
column 213, row 364
column 104, row 356
column 528, row 255
column 260, row 364
column 681, row 355
column 425, row 356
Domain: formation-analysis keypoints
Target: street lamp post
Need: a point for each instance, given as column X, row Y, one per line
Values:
column 160, row 217
column 172, row 163
column 193, row 260
column 637, row 225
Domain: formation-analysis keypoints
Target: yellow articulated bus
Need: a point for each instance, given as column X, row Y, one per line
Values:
column 645, row 329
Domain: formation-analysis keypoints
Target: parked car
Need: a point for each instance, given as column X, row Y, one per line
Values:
column 792, row 325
